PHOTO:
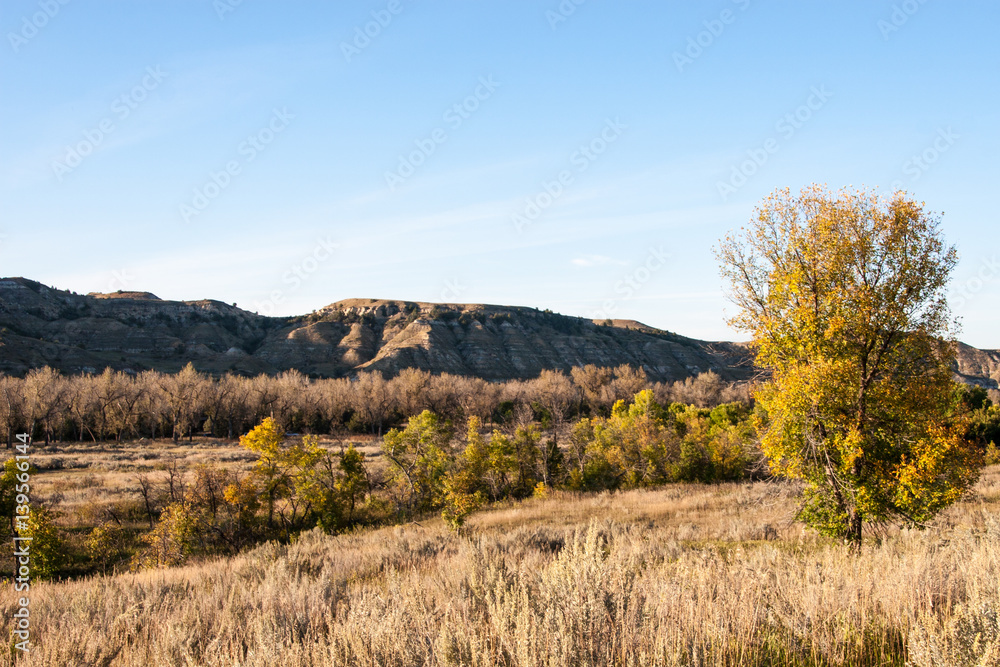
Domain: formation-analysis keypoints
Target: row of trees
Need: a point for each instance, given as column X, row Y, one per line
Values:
column 295, row 484
column 430, row 466
column 640, row 444
column 115, row 405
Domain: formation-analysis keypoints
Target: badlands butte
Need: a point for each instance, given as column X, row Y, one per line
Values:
column 135, row 331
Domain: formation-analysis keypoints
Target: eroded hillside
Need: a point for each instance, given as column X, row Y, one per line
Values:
column 75, row 333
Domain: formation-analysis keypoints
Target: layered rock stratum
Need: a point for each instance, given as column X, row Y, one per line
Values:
column 74, row 333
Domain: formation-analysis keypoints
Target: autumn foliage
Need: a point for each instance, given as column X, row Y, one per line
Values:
column 844, row 295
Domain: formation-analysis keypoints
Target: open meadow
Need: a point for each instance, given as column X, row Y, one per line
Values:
column 82, row 479
column 499, row 334
column 686, row 574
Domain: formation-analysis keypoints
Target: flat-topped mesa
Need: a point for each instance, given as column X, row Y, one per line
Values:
column 390, row 307
column 424, row 310
column 122, row 294
column 375, row 307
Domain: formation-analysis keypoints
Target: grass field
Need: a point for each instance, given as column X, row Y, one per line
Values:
column 84, row 481
column 683, row 575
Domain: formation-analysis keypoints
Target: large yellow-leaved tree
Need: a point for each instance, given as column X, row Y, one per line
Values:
column 844, row 295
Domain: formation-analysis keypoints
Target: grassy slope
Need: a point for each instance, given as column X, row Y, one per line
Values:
column 713, row 575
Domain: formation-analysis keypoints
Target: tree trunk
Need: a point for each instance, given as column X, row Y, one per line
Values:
column 853, row 536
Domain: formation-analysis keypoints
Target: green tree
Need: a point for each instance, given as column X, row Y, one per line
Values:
column 106, row 544
column 48, row 550
column 335, row 487
column 636, row 446
column 265, row 440
column 419, row 458
column 9, row 481
column 173, row 539
column 637, row 442
column 458, row 503
column 984, row 420
column 527, row 454
column 844, row 295
column 242, row 502
column 484, row 468
column 14, row 481
column 352, row 482
column 283, row 469
column 716, row 444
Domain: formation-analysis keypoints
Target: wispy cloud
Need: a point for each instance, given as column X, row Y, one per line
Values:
column 199, row 88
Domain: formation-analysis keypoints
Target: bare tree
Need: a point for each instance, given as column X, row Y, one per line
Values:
column 11, row 406
column 334, row 401
column 628, row 382
column 410, row 388
column 292, row 403
column 125, row 410
column 703, row 391
column 557, row 394
column 593, row 382
column 372, row 399
column 83, row 405
column 263, row 396
column 146, row 491
column 183, row 392
column 45, row 397
column 175, row 482
column 234, row 393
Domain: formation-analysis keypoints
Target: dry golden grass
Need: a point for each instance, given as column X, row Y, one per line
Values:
column 78, row 479
column 685, row 575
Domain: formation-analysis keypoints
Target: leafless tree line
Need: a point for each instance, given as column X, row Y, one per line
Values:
column 114, row 405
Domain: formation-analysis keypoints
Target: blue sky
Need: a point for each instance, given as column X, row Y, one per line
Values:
column 565, row 156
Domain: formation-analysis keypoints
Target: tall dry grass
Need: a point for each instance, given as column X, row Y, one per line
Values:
column 686, row 575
